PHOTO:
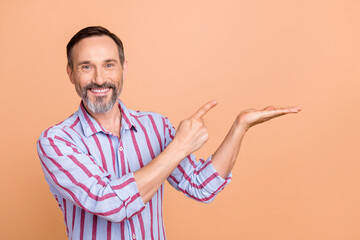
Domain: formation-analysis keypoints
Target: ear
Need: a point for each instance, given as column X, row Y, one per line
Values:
column 70, row 74
column 125, row 69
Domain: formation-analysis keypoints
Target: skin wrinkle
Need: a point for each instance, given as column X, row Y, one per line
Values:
column 99, row 67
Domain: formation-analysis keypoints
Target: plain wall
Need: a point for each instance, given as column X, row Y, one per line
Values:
column 297, row 177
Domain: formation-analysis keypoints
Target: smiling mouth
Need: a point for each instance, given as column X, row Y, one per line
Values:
column 99, row 90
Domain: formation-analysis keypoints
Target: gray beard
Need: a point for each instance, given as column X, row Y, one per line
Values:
column 99, row 105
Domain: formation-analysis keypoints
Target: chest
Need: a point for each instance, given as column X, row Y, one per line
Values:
column 134, row 150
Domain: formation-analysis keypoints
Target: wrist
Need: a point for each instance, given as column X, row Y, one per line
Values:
column 176, row 149
column 240, row 126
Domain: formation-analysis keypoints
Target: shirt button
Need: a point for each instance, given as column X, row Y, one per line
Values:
column 134, row 236
column 121, row 148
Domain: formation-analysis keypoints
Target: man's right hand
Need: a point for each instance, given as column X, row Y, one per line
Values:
column 191, row 133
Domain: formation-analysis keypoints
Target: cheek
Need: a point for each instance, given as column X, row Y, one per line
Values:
column 113, row 75
column 115, row 78
column 83, row 79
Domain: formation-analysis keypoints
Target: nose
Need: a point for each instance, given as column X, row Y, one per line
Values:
column 99, row 77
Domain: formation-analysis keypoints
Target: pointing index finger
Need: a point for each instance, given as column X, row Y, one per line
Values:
column 204, row 109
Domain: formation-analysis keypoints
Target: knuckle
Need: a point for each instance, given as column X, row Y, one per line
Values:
column 206, row 135
column 205, row 138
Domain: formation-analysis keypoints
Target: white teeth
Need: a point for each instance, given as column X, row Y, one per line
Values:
column 99, row 90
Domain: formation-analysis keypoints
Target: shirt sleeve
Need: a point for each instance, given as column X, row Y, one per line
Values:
column 198, row 180
column 76, row 177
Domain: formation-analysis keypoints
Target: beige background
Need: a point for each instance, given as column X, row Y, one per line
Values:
column 297, row 177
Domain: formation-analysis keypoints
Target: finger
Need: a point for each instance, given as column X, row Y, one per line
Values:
column 283, row 109
column 204, row 109
column 275, row 112
column 269, row 108
column 294, row 109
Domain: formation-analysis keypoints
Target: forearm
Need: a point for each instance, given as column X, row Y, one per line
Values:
column 150, row 177
column 190, row 136
column 225, row 156
column 198, row 180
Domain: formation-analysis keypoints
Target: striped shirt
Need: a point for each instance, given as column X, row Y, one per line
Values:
column 90, row 174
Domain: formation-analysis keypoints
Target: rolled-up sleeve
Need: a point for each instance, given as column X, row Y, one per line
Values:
column 198, row 180
column 78, row 178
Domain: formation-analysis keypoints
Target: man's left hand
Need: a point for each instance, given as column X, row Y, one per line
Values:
column 251, row 117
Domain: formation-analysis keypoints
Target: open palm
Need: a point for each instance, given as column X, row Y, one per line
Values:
column 251, row 117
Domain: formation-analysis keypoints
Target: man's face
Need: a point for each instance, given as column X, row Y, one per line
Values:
column 97, row 73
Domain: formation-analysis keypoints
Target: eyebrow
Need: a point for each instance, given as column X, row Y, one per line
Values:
column 106, row 61
column 110, row 60
column 83, row 62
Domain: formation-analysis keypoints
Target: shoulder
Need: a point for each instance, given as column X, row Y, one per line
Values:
column 136, row 117
column 149, row 116
column 58, row 129
column 146, row 115
column 149, row 120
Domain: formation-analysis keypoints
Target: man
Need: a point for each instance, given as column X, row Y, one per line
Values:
column 106, row 164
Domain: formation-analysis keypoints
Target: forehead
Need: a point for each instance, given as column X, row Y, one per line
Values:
column 95, row 48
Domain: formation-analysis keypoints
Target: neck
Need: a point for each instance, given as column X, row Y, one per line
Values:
column 110, row 120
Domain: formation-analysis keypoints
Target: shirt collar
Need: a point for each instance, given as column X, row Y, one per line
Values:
column 127, row 121
column 91, row 126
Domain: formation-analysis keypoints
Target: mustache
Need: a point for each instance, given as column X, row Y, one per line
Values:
column 95, row 86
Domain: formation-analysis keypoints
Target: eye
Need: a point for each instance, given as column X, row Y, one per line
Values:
column 110, row 65
column 86, row 67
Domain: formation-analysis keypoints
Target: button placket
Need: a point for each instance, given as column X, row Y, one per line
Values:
column 121, row 146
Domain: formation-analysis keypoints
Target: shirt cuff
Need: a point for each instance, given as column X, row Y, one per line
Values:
column 214, row 183
column 126, row 189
